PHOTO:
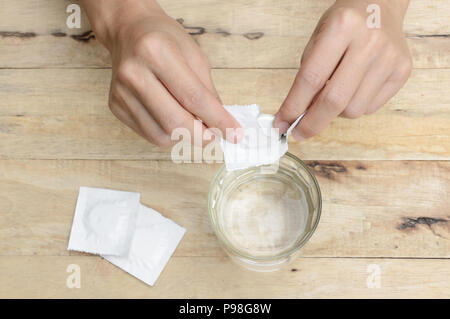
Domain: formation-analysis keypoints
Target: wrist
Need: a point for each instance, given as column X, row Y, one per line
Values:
column 399, row 5
column 404, row 5
column 108, row 17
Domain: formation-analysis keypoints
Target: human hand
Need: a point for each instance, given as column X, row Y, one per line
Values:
column 160, row 78
column 347, row 68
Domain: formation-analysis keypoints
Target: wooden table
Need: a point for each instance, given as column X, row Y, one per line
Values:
column 385, row 178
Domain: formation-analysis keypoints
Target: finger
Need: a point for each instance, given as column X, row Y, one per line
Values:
column 204, row 74
column 117, row 110
column 335, row 96
column 199, row 64
column 162, row 106
column 389, row 89
column 139, row 114
column 316, row 68
column 307, row 50
column 195, row 97
column 207, row 80
column 395, row 82
column 371, row 85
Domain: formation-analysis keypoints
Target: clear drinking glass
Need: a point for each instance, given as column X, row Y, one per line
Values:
column 261, row 217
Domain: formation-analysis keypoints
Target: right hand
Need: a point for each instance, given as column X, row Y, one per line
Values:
column 160, row 78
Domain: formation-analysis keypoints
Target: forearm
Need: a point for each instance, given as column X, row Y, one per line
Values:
column 106, row 16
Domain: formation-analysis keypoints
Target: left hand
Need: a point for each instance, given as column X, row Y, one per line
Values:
column 347, row 68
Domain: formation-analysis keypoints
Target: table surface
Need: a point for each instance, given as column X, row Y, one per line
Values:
column 385, row 178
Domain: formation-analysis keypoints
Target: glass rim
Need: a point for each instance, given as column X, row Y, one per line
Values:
column 285, row 253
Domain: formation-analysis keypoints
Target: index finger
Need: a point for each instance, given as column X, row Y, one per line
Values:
column 336, row 95
column 317, row 67
column 195, row 97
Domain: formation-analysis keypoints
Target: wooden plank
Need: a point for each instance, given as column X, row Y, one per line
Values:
column 63, row 114
column 209, row 277
column 233, row 51
column 299, row 17
column 386, row 209
column 282, row 30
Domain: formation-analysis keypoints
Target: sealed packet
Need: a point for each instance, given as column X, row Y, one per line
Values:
column 154, row 240
column 104, row 221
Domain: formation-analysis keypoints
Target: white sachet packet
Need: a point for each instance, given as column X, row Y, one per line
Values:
column 261, row 144
column 154, row 241
column 104, row 221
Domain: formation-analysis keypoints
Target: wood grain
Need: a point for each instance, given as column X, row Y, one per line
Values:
column 218, row 277
column 298, row 17
column 368, row 209
column 385, row 179
column 64, row 114
column 35, row 35
column 231, row 51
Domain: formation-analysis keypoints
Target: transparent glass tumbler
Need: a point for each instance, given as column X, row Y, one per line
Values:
column 263, row 216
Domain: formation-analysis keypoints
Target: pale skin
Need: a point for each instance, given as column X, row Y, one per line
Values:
column 161, row 80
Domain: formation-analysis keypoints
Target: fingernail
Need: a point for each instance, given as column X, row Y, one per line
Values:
column 282, row 126
column 297, row 136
